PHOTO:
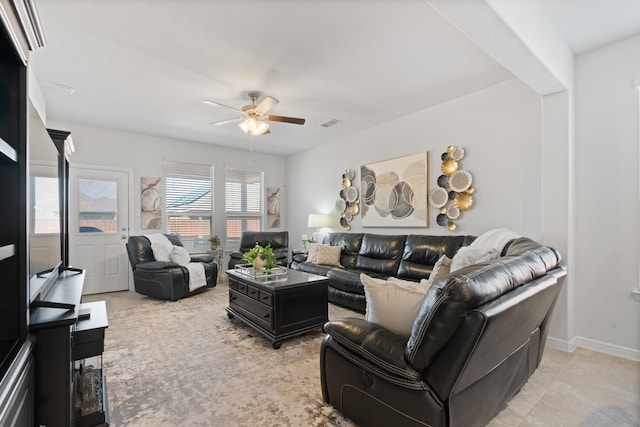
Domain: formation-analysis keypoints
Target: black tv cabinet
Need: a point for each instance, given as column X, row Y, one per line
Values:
column 64, row 342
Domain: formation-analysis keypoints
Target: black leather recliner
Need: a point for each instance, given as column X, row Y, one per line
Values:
column 279, row 241
column 477, row 338
column 165, row 280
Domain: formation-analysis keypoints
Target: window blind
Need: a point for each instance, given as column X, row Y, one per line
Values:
column 189, row 202
column 243, row 199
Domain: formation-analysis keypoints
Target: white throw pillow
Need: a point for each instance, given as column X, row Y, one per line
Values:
column 465, row 256
column 410, row 285
column 312, row 253
column 329, row 255
column 180, row 255
column 442, row 267
column 393, row 305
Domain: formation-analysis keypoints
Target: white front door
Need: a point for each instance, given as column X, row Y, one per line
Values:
column 99, row 227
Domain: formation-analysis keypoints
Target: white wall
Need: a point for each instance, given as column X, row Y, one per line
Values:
column 558, row 225
column 607, row 202
column 145, row 155
column 500, row 130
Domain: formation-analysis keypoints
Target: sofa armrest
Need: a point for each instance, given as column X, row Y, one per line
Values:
column 156, row 265
column 235, row 255
column 373, row 343
column 299, row 256
column 206, row 258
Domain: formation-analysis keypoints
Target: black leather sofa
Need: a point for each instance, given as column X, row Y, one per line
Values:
column 165, row 280
column 410, row 257
column 279, row 241
column 478, row 336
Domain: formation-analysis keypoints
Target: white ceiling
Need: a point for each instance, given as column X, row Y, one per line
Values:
column 590, row 24
column 144, row 66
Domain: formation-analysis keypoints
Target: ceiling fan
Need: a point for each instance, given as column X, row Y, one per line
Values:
column 253, row 115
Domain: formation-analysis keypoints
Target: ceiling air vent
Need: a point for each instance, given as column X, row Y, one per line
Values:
column 330, row 123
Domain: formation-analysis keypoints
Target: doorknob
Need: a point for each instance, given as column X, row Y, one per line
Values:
column 124, row 236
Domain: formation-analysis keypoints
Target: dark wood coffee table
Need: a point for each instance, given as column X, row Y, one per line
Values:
column 279, row 309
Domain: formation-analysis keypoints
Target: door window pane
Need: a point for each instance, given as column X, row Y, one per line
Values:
column 97, row 206
column 46, row 207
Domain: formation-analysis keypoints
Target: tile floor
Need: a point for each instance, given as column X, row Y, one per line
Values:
column 584, row 388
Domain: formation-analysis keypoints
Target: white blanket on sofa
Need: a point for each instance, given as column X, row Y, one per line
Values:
column 494, row 239
column 164, row 250
column 485, row 247
column 197, row 278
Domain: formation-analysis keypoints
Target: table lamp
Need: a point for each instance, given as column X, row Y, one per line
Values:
column 318, row 221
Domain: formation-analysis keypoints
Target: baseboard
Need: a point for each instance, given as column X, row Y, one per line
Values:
column 562, row 345
column 599, row 346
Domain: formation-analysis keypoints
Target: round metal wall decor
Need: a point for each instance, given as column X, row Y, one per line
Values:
column 454, row 193
column 348, row 203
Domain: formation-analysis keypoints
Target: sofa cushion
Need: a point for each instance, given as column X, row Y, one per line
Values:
column 329, row 255
column 348, row 280
column 422, row 252
column 312, row 253
column 279, row 240
column 441, row 268
column 350, row 243
column 449, row 299
column 309, row 267
column 381, row 253
column 351, row 300
column 393, row 304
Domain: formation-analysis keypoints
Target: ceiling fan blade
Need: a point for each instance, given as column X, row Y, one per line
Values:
column 294, row 120
column 224, row 122
column 266, row 104
column 217, row 104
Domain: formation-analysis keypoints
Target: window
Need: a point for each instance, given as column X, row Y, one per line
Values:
column 243, row 203
column 190, row 203
column 46, row 209
column 97, row 206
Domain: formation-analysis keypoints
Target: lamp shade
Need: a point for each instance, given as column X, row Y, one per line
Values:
column 319, row 220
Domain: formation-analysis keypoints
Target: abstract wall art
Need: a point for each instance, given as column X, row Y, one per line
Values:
column 150, row 203
column 273, row 207
column 348, row 204
column 393, row 192
column 455, row 192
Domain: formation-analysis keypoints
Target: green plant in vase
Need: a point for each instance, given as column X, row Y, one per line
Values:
column 261, row 257
column 214, row 242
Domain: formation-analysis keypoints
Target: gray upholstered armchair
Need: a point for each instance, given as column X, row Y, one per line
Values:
column 279, row 241
column 161, row 279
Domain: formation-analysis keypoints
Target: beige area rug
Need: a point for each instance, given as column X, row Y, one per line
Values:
column 185, row 363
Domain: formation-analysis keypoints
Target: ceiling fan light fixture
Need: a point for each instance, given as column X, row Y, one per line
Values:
column 254, row 116
column 262, row 127
column 254, row 126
